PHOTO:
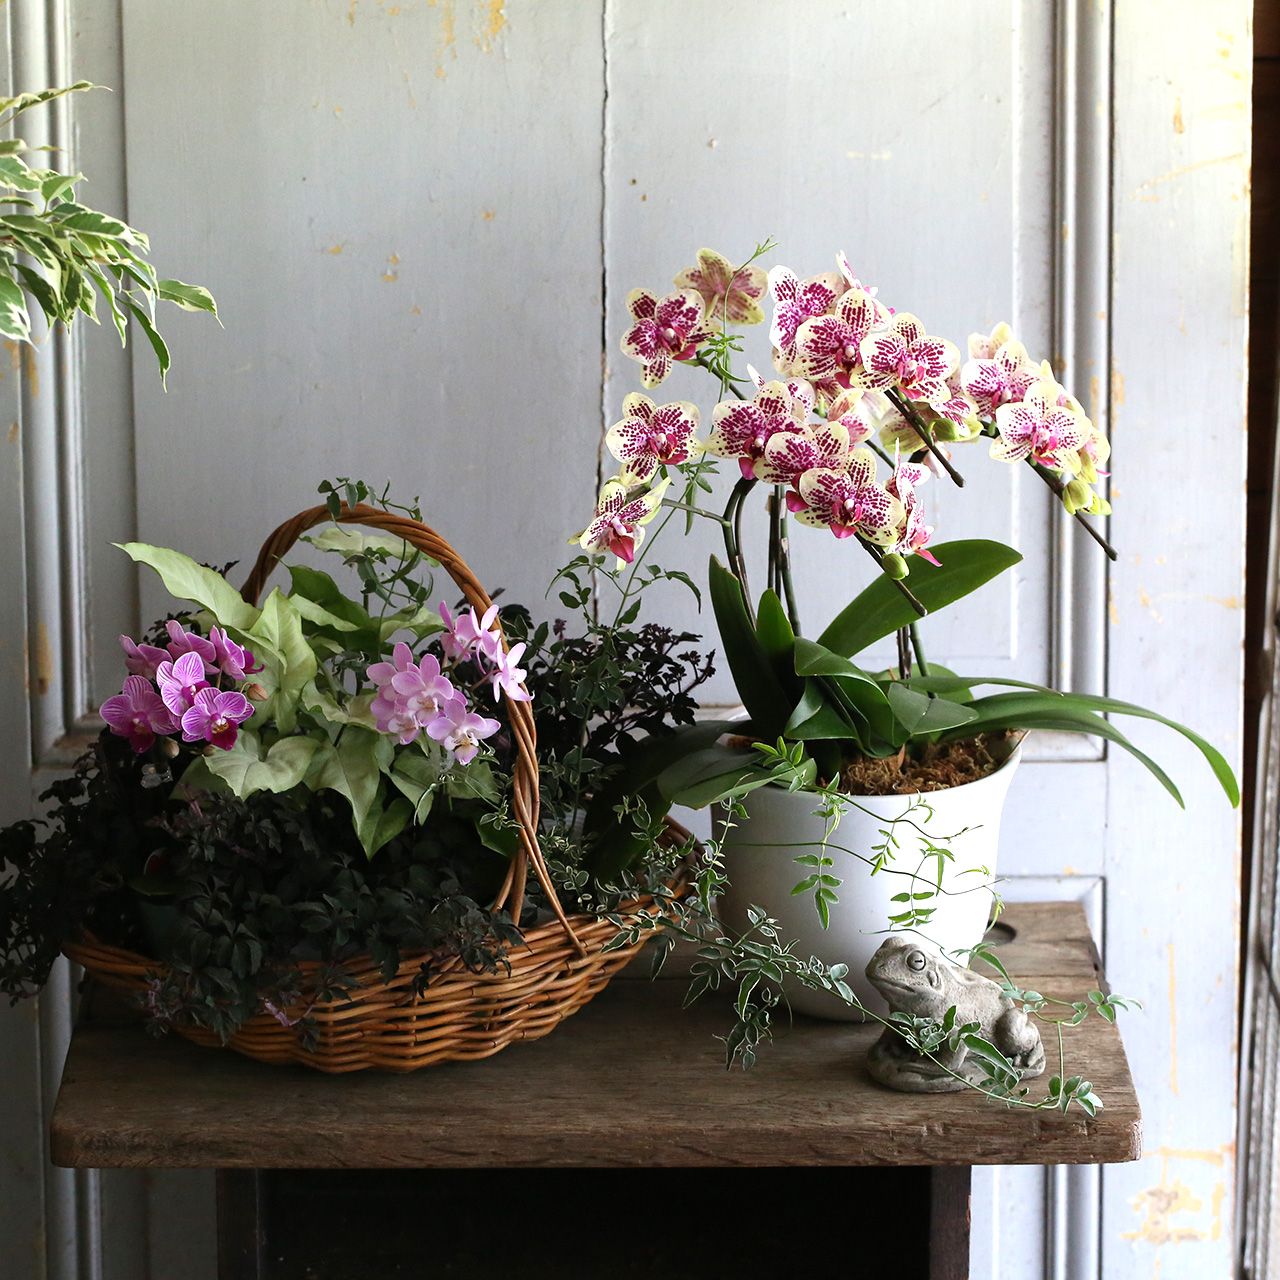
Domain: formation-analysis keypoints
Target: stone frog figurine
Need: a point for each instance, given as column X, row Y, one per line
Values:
column 916, row 982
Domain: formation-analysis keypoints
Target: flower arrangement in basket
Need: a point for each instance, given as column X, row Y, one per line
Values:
column 860, row 804
column 312, row 827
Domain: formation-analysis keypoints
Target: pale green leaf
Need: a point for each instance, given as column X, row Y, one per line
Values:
column 246, row 768
column 290, row 660
column 187, row 580
column 190, row 297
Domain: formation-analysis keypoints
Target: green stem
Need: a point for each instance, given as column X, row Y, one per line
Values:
column 727, row 381
column 733, row 537
column 918, row 648
column 788, row 589
column 877, row 555
column 925, row 432
column 1055, row 483
column 697, row 511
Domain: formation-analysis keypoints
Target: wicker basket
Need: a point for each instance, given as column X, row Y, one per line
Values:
column 460, row 1015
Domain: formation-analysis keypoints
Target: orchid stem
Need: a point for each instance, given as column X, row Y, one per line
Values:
column 877, row 555
column 793, row 613
column 697, row 511
column 918, row 649
column 1056, row 484
column 732, row 527
column 925, row 432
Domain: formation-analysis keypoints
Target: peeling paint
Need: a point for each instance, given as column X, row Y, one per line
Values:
column 1178, row 126
column 1227, row 602
column 494, row 20
column 13, row 433
column 446, row 42
column 1145, row 601
column 1168, row 1197
column 1117, row 389
column 15, row 353
column 351, row 13
column 488, row 214
column 337, row 248
column 1112, row 612
column 44, row 660
column 391, row 275
column 1173, row 1024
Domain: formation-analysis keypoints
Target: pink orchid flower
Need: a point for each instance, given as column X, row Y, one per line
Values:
column 743, row 428
column 138, row 713
column 181, row 680
column 461, row 731
column 181, row 642
column 142, row 659
column 665, row 329
column 1040, row 428
column 469, row 632
column 232, row 659
column 618, row 520
column 727, row 295
column 215, row 717
column 506, row 677
column 649, row 437
column 850, row 501
column 904, row 357
column 421, row 690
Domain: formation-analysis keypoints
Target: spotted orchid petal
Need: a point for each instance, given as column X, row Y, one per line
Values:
column 665, row 329
column 726, row 294
column 649, row 437
column 984, row 346
column 1040, row 429
column 787, row 455
column 847, row 504
column 743, row 428
column 618, row 520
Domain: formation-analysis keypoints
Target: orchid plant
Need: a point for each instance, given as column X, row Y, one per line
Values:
column 865, row 407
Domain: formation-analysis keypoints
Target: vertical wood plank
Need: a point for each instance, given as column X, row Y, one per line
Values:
column 1182, row 79
column 242, row 1224
column 949, row 1189
column 398, row 210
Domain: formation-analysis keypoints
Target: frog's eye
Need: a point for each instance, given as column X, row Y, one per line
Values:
column 916, row 960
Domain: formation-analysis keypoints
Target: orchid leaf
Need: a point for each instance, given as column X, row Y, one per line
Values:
column 881, row 609
column 723, row 773
column 758, row 686
column 778, row 640
column 918, row 713
column 1052, row 711
column 186, row 580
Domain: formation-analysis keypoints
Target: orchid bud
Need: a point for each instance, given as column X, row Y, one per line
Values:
column 169, row 747
column 894, row 566
column 945, row 431
column 1077, row 496
column 255, row 692
column 208, row 749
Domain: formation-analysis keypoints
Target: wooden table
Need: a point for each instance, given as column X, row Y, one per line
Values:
column 630, row 1082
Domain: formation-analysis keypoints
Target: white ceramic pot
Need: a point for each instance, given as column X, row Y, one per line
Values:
column 760, row 853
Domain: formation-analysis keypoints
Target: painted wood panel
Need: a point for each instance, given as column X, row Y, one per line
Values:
column 398, row 210
column 1180, row 271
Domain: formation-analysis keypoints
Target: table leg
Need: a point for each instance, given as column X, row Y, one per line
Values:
column 242, row 1227
column 949, row 1222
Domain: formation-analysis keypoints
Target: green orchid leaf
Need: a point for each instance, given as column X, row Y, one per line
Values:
column 778, row 640
column 918, row 713
column 758, row 686
column 1051, row 711
column 881, row 609
column 816, row 717
column 186, row 580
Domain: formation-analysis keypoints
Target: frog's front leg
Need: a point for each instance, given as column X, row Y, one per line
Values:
column 1018, row 1038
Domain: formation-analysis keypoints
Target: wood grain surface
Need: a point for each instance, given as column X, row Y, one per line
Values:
column 632, row 1080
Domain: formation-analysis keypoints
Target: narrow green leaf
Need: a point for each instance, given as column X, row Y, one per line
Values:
column 157, row 342
column 763, row 696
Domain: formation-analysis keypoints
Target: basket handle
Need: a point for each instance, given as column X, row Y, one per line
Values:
column 524, row 789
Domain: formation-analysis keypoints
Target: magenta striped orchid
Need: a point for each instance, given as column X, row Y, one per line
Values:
column 903, row 357
column 743, row 428
column 617, row 525
column 1041, row 429
column 850, row 501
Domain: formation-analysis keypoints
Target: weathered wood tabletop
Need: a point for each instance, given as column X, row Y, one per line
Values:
column 632, row 1080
